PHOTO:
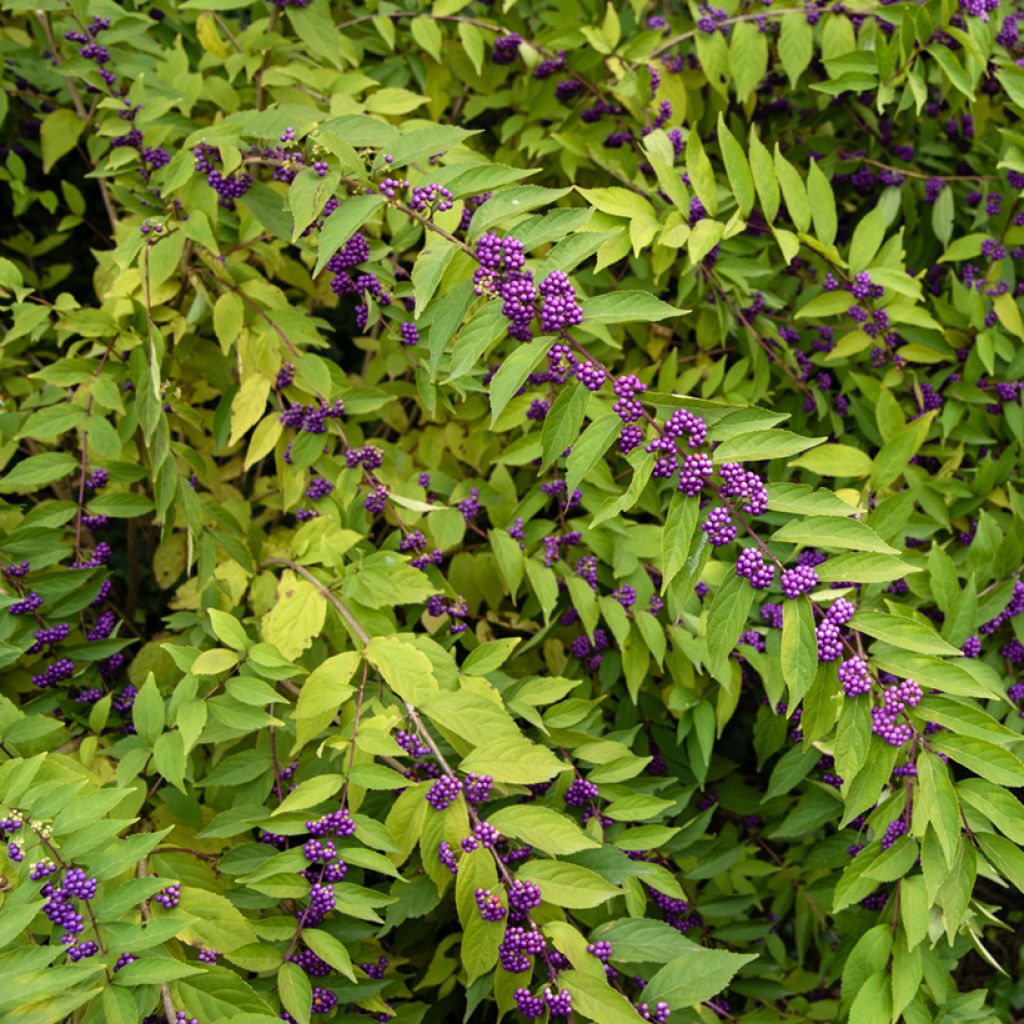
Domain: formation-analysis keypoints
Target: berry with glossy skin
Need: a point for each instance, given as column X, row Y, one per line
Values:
column 323, row 1000
column 79, row 886
column 486, row 835
column 26, row 605
column 590, row 376
column 885, row 726
column 719, row 528
column 446, row 856
column 443, row 792
column 580, row 792
column 528, row 1005
column 477, row 788
column 855, row 677
column 840, row 612
column 830, row 646
column 559, row 1004
column 683, row 422
column 752, row 567
column 800, row 580
column 524, row 896
column 971, row 647
column 741, row 483
column 631, row 437
column 658, row 1014
column 893, row 831
column 506, row 48
column 170, row 897
column 490, row 905
column 559, row 308
column 694, row 473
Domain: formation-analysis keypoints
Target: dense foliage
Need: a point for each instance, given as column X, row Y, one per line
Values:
column 511, row 510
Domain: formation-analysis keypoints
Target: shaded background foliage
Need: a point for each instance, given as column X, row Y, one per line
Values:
column 511, row 510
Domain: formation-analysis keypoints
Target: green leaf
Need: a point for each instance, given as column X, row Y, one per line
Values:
column 514, row 760
column 996, row 764
column 322, row 695
column 512, row 203
column 562, row 423
column 542, row 827
column 853, row 738
column 907, row 634
column 1003, row 809
column 59, row 134
column 799, row 652
column 964, row 248
column 939, row 802
column 418, row 144
column 864, row 568
column 872, row 1002
column 228, row 629
column 867, row 239
column 726, row 619
column 793, row 189
column 308, row 794
column 835, row 460
column 822, row 200
column 490, row 656
column 328, row 948
column 154, row 970
column 219, row 996
column 596, row 999
column 405, row 669
column 1006, row 856
column 796, row 46
column 37, row 471
column 942, row 215
column 680, row 524
column 748, row 58
column 897, row 452
column 568, row 885
column 214, row 662
column 296, row 991
column 148, row 711
column 695, row 976
column 826, row 304
column 803, row 500
column 429, row 268
column 736, row 167
column 763, row 444
column 513, row 372
column 296, row 617
column 590, row 448
column 763, row 171
column 621, row 307
column 642, row 941
column 341, row 225
column 832, row 532
column 702, row 175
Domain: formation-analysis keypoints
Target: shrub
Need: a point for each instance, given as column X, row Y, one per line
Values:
column 511, row 511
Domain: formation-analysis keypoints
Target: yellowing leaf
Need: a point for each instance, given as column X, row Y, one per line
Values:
column 297, row 616
column 212, row 663
column 248, row 405
column 394, row 102
column 58, row 135
column 215, row 922
column 405, row 669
